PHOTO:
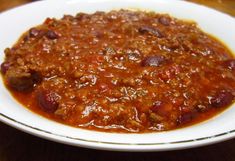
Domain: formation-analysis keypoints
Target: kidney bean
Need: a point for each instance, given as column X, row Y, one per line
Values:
column 48, row 100
column 156, row 32
column 4, row 67
column 155, row 60
column 221, row 99
column 164, row 20
column 82, row 16
column 186, row 117
column 33, row 32
column 230, row 64
column 52, row 35
column 161, row 108
column 68, row 18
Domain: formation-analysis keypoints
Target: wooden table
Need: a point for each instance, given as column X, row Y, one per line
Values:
column 19, row 146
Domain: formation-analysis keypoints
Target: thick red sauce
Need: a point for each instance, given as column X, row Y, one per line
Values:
column 121, row 71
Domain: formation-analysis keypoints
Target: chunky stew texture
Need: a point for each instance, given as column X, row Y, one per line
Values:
column 121, row 71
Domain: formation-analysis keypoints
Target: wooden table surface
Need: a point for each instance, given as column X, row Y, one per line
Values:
column 19, row 146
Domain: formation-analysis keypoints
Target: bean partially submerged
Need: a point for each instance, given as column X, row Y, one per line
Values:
column 4, row 67
column 186, row 117
column 155, row 60
column 150, row 30
column 164, row 20
column 52, row 35
column 162, row 108
column 221, row 99
column 33, row 32
column 230, row 64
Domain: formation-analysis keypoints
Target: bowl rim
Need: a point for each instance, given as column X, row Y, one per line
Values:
column 136, row 147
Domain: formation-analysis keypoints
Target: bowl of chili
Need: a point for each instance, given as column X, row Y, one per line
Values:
column 119, row 75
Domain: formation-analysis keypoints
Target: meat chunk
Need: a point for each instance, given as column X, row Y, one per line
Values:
column 48, row 100
column 22, row 81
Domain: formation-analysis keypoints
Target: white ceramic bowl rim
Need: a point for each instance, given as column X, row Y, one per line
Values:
column 204, row 133
column 118, row 146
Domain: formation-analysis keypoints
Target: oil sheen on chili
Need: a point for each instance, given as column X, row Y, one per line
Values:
column 121, row 71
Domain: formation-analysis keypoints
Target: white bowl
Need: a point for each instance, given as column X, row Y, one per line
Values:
column 14, row 22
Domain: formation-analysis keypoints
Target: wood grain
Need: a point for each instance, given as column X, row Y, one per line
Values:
column 227, row 6
column 6, row 4
column 19, row 146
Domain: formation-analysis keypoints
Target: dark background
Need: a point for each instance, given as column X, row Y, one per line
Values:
column 19, row 146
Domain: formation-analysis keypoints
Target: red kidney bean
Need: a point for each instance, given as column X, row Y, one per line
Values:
column 4, row 67
column 82, row 16
column 164, row 20
column 52, row 35
column 186, row 117
column 230, row 64
column 156, row 32
column 155, row 60
column 221, row 99
column 161, row 108
column 33, row 32
column 48, row 100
